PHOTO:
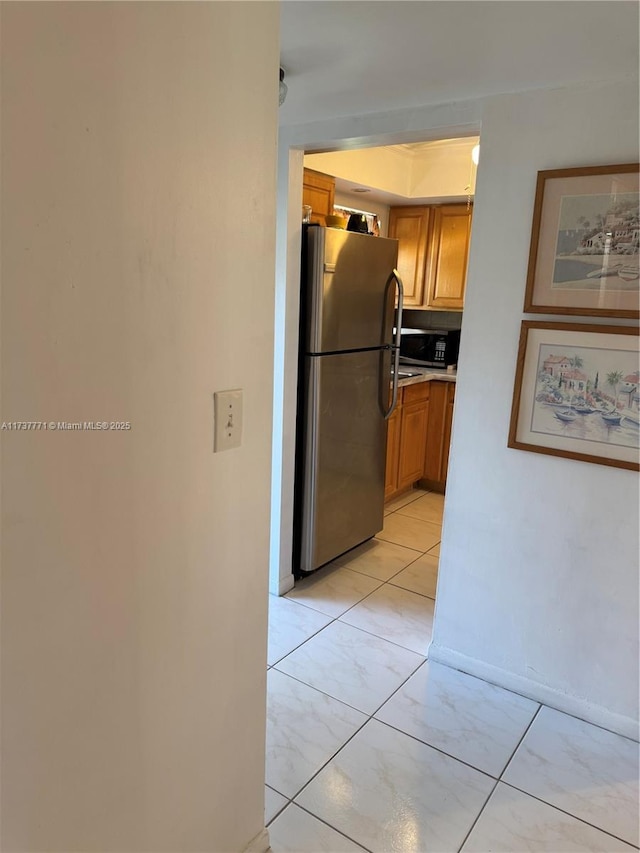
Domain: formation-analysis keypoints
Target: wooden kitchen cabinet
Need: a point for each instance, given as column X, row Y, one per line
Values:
column 406, row 434
column 433, row 251
column 448, row 257
column 410, row 227
column 318, row 191
column 438, row 435
column 418, row 437
column 448, row 421
column 413, row 429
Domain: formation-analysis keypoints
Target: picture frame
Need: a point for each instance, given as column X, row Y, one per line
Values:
column 585, row 236
column 577, row 393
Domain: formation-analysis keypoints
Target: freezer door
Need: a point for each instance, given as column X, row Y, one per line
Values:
column 348, row 304
column 344, row 453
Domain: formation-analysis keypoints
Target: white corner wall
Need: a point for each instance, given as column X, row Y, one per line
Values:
column 138, row 206
column 538, row 586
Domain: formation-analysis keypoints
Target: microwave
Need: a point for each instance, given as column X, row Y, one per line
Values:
column 429, row 348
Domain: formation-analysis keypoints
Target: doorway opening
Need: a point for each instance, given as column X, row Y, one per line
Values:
column 431, row 179
column 454, row 143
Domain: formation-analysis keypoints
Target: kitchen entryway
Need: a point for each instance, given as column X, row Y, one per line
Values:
column 370, row 747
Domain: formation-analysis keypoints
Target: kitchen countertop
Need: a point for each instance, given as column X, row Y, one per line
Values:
column 426, row 374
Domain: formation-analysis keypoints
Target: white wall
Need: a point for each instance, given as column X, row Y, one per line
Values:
column 539, row 569
column 138, row 166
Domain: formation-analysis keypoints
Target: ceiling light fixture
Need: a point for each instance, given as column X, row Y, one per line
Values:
column 283, row 87
column 475, row 154
column 361, row 190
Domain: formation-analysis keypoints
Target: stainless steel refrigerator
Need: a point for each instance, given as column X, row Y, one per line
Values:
column 347, row 388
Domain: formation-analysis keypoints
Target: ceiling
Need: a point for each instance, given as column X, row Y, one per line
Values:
column 348, row 57
column 379, row 196
column 417, row 158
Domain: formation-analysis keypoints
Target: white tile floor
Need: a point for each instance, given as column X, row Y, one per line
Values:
column 371, row 747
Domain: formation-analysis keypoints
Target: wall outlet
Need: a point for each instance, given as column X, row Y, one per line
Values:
column 227, row 419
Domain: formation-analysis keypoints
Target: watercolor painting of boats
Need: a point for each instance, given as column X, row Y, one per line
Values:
column 589, row 394
column 577, row 392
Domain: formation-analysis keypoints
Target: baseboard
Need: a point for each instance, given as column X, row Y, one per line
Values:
column 596, row 714
column 285, row 584
column 431, row 485
column 260, row 844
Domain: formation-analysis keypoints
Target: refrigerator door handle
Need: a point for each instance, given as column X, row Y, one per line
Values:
column 396, row 342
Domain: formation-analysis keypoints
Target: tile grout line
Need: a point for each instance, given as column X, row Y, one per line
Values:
column 360, row 600
column 437, row 748
column 328, row 695
column 420, row 554
column 415, row 498
column 497, row 780
column 372, row 716
column 368, row 633
column 332, row 756
column 339, row 617
column 484, row 805
column 411, row 547
column 415, row 592
column 310, row 637
column 355, row 604
column 388, row 583
column 517, row 747
column 589, row 723
column 471, row 828
column 539, row 799
column 371, row 634
column 369, row 717
column 335, row 829
column 569, row 814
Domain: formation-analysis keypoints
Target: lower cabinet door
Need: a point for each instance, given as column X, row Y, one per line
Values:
column 448, row 420
column 433, row 461
column 393, row 454
column 412, row 442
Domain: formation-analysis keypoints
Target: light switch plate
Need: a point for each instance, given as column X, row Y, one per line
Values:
column 227, row 418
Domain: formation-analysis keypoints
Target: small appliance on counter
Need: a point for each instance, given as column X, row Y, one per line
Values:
column 358, row 223
column 429, row 348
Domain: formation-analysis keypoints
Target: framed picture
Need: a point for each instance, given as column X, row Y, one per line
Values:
column 584, row 243
column 576, row 393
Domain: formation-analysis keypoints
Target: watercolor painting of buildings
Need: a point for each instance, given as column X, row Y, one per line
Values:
column 577, row 392
column 598, row 237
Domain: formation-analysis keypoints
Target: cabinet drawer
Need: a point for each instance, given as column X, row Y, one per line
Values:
column 416, row 393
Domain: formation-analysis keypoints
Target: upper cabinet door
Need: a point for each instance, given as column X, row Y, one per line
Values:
column 318, row 191
column 448, row 256
column 410, row 227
